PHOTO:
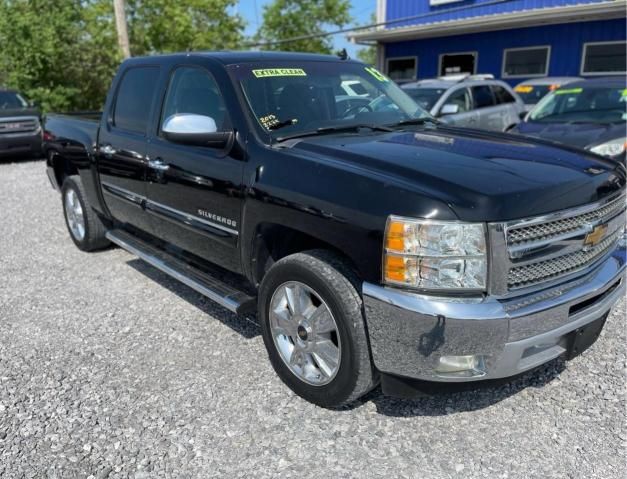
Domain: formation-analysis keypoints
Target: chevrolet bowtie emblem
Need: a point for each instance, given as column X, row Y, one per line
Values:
column 595, row 236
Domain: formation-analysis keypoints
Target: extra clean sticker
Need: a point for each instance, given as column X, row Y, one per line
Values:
column 279, row 72
column 377, row 74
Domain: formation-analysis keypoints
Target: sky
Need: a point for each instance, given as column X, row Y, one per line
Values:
column 252, row 11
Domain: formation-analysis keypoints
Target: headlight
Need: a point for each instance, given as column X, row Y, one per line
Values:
column 611, row 148
column 438, row 255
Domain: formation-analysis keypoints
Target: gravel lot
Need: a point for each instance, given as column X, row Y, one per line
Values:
column 110, row 369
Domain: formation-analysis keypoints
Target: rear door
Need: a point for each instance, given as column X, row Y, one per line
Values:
column 122, row 141
column 195, row 192
column 489, row 113
column 466, row 116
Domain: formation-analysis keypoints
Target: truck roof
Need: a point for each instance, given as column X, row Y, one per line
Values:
column 231, row 57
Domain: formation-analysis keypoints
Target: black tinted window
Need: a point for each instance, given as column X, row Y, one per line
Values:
column 523, row 62
column 482, row 96
column 502, row 95
column 605, row 58
column 193, row 90
column 134, row 98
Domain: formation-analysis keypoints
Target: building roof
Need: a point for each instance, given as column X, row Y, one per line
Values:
column 601, row 10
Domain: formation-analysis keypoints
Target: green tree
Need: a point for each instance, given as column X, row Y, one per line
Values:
column 53, row 54
column 284, row 19
column 157, row 26
column 63, row 53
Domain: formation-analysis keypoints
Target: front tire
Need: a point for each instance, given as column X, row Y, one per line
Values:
column 85, row 227
column 313, row 328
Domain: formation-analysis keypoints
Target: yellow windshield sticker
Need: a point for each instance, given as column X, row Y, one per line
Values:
column 624, row 93
column 377, row 74
column 279, row 72
column 523, row 89
column 569, row 91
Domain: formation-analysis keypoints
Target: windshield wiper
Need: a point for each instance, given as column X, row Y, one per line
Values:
column 333, row 129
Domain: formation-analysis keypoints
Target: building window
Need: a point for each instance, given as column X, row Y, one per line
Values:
column 526, row 62
column 402, row 69
column 456, row 63
column 604, row 58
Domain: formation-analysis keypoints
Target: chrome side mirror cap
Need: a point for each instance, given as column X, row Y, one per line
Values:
column 197, row 130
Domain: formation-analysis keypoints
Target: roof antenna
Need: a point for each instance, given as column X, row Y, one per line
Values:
column 342, row 54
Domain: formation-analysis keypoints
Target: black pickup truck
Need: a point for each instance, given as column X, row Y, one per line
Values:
column 376, row 245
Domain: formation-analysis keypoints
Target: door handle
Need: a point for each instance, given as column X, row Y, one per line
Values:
column 107, row 150
column 158, row 164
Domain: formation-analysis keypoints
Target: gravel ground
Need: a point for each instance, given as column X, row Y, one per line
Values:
column 110, row 369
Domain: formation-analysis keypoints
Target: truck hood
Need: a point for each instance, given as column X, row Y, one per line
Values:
column 481, row 176
column 582, row 135
column 19, row 112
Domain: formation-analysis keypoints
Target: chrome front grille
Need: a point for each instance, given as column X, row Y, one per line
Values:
column 18, row 125
column 523, row 234
column 534, row 252
column 554, row 268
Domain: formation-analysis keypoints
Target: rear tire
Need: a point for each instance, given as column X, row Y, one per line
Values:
column 323, row 357
column 85, row 227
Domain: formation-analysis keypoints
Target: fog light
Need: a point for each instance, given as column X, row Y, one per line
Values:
column 462, row 366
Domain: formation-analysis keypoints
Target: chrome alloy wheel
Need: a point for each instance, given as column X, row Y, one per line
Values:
column 74, row 214
column 305, row 333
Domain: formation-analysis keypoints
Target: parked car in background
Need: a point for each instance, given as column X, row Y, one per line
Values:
column 589, row 114
column 20, row 125
column 376, row 244
column 475, row 101
column 533, row 90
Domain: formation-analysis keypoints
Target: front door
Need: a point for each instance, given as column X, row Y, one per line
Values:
column 121, row 149
column 195, row 192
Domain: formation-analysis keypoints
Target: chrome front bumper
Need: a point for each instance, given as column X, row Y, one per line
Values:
column 409, row 333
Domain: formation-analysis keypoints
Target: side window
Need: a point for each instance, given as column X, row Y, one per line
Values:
column 134, row 99
column 482, row 96
column 193, row 90
column 461, row 98
column 502, row 95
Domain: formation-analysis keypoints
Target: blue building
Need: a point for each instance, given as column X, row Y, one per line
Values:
column 511, row 39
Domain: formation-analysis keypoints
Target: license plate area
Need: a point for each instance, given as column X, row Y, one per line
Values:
column 582, row 338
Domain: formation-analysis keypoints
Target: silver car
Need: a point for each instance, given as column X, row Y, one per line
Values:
column 474, row 101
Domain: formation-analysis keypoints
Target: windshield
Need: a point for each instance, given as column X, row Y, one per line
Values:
column 11, row 101
column 532, row 94
column 583, row 105
column 291, row 98
column 425, row 97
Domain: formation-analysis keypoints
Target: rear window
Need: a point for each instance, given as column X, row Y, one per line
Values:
column 482, row 96
column 134, row 99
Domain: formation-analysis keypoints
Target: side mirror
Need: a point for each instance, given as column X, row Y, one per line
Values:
column 449, row 109
column 198, row 130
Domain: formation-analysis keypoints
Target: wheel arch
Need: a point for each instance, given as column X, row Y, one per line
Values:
column 273, row 241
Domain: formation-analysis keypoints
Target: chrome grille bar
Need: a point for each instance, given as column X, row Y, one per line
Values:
column 537, row 232
column 541, row 271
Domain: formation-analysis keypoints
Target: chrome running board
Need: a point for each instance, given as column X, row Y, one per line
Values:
column 214, row 289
